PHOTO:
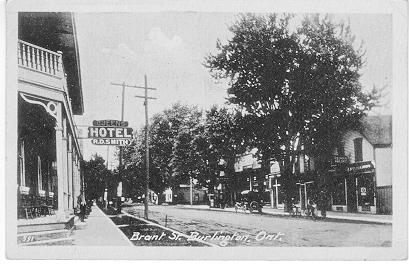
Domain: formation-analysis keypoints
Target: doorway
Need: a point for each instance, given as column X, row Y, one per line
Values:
column 351, row 194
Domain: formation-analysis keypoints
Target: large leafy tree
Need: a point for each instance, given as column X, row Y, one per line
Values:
column 222, row 139
column 97, row 177
column 186, row 162
column 172, row 156
column 293, row 87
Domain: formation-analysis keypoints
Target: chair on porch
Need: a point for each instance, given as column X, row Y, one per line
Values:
column 50, row 205
column 24, row 206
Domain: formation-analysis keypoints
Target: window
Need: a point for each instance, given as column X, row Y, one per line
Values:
column 358, row 149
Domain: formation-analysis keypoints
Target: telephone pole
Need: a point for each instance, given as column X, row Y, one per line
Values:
column 106, row 183
column 146, row 88
column 119, row 196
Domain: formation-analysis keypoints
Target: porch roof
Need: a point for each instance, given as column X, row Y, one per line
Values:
column 56, row 32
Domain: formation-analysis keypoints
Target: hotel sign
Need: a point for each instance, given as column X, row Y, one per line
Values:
column 110, row 132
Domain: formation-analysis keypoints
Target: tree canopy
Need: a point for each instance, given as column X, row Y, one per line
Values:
column 295, row 87
column 97, row 177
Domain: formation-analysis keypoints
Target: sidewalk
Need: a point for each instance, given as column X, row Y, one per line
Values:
column 99, row 231
column 335, row 216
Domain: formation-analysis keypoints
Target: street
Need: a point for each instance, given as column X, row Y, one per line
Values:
column 239, row 229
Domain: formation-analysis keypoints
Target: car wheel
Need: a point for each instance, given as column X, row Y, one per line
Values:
column 253, row 206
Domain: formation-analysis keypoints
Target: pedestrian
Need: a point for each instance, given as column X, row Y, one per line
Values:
column 311, row 207
column 82, row 205
column 323, row 203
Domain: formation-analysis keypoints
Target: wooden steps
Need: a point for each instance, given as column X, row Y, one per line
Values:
column 47, row 233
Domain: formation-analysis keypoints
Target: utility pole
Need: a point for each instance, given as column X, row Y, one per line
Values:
column 146, row 88
column 122, row 119
column 120, row 149
column 106, row 184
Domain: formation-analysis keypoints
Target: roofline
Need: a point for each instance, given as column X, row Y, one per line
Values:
column 360, row 129
column 77, row 55
column 382, row 145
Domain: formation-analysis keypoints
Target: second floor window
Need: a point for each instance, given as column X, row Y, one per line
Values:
column 358, row 149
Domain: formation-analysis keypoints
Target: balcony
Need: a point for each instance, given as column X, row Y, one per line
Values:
column 40, row 66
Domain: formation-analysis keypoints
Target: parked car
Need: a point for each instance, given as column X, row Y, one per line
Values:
column 249, row 200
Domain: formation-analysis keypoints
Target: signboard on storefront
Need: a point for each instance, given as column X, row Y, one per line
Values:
column 363, row 191
column 275, row 168
column 361, row 167
column 339, row 160
column 110, row 132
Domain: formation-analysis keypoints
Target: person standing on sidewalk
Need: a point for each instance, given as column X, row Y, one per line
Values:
column 323, row 202
column 82, row 205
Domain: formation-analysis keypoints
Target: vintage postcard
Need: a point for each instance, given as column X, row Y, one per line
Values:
column 251, row 130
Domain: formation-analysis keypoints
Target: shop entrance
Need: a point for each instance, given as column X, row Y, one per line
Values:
column 366, row 191
column 351, row 194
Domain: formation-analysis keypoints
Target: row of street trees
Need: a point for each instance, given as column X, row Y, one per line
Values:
column 185, row 143
column 295, row 87
column 290, row 87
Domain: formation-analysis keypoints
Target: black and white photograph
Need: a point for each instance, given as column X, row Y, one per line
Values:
column 200, row 131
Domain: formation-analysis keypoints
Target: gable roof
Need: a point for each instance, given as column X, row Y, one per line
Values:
column 377, row 129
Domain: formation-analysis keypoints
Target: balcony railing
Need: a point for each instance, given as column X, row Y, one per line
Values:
column 40, row 59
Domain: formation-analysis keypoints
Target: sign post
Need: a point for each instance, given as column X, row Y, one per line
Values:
column 110, row 133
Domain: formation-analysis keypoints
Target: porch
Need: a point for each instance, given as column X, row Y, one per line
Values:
column 48, row 177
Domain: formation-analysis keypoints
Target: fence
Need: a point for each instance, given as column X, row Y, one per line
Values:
column 384, row 199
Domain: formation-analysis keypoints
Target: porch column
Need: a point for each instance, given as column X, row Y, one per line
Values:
column 65, row 165
column 60, row 160
column 70, row 174
column 75, row 176
column 78, row 176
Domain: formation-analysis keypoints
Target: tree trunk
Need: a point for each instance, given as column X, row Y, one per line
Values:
column 322, row 168
column 288, row 184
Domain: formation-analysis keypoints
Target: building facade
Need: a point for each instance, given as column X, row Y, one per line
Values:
column 49, row 95
column 360, row 174
column 249, row 175
column 364, row 183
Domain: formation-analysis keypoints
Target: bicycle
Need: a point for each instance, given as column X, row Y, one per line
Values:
column 295, row 211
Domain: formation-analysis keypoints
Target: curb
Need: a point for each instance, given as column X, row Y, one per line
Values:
column 112, row 223
column 327, row 219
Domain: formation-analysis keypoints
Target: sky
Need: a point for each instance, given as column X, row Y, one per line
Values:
column 169, row 47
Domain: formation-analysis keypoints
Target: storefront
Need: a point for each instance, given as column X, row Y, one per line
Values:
column 354, row 188
column 363, row 174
